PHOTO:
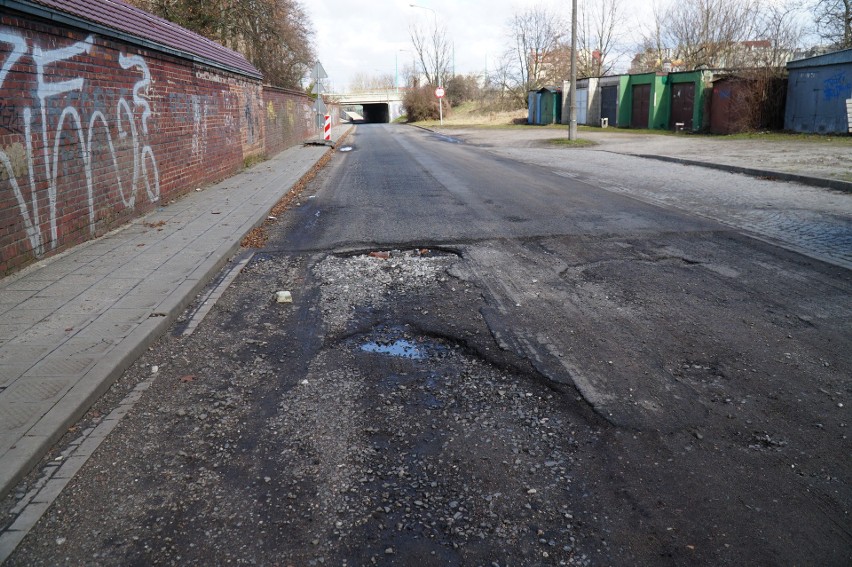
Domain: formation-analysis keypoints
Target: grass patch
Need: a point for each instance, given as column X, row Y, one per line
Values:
column 566, row 143
column 253, row 160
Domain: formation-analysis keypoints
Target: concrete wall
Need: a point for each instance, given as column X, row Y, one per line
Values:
column 95, row 132
column 582, row 84
column 593, row 109
column 659, row 111
column 656, row 119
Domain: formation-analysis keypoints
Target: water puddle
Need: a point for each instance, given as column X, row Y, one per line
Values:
column 450, row 139
column 400, row 348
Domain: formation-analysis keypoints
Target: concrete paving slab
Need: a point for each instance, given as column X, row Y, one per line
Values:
column 17, row 351
column 103, row 330
column 25, row 315
column 35, row 390
column 16, row 417
column 74, row 323
column 16, row 296
column 22, row 284
column 39, row 302
column 59, row 365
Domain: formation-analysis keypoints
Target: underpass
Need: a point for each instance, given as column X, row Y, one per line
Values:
column 371, row 107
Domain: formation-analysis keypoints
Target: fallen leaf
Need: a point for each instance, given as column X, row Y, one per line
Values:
column 187, row 378
column 380, row 255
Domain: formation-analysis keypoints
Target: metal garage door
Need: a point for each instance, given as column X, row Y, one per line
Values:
column 582, row 105
column 683, row 104
column 609, row 104
column 641, row 106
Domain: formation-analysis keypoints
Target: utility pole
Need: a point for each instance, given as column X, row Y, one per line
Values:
column 572, row 113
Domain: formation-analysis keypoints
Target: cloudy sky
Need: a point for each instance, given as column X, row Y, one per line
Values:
column 367, row 37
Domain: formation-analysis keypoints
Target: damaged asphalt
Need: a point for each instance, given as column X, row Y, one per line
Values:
column 529, row 370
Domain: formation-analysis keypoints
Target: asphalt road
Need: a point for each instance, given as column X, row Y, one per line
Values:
column 541, row 371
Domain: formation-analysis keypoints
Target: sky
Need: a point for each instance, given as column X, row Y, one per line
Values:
column 367, row 37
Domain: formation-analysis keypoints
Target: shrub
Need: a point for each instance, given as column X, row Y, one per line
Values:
column 421, row 104
column 463, row 88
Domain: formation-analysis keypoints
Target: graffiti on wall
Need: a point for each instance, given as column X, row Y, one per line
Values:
column 836, row 86
column 93, row 133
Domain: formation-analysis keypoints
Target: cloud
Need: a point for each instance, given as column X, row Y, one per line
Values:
column 365, row 37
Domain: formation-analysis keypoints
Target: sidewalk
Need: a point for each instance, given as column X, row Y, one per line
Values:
column 70, row 325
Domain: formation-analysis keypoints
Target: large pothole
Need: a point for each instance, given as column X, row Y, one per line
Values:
column 365, row 281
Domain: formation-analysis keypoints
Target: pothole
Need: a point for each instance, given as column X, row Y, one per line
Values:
column 363, row 282
column 411, row 253
column 395, row 342
column 400, row 348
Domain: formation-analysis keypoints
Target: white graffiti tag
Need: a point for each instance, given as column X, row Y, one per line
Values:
column 144, row 162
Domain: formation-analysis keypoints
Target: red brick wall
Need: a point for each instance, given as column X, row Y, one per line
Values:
column 95, row 132
column 289, row 118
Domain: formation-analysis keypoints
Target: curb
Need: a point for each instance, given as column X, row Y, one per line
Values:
column 835, row 184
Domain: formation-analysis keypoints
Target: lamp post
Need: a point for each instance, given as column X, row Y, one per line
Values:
column 434, row 13
column 572, row 113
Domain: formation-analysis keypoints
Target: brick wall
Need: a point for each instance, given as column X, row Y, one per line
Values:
column 95, row 132
column 289, row 118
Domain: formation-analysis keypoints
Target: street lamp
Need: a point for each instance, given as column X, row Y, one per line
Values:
column 434, row 13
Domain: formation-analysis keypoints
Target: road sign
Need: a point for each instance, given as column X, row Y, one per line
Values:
column 439, row 92
column 318, row 73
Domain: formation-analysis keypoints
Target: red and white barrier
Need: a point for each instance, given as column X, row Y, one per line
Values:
column 327, row 128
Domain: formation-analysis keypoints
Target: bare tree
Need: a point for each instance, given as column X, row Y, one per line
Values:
column 433, row 50
column 833, row 19
column 362, row 82
column 782, row 28
column 275, row 35
column 600, row 28
column 707, row 33
column 653, row 52
column 536, row 51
